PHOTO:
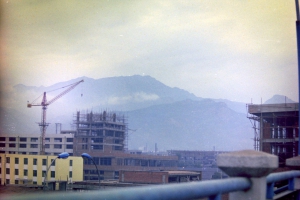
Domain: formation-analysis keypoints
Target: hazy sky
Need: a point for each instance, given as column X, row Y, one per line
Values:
column 233, row 49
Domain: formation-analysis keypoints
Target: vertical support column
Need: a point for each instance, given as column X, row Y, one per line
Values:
column 250, row 164
column 298, row 53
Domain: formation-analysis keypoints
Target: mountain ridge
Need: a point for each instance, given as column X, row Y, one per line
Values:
column 170, row 117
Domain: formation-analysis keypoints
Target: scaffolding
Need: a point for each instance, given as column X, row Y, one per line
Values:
column 275, row 128
column 104, row 130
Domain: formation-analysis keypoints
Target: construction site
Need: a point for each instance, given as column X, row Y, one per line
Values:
column 103, row 135
column 275, row 129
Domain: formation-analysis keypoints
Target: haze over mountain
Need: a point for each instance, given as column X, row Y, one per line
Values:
column 171, row 117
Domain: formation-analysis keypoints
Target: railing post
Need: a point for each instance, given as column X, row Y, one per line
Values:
column 294, row 163
column 251, row 164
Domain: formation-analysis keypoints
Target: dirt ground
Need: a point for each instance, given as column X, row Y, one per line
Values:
column 10, row 190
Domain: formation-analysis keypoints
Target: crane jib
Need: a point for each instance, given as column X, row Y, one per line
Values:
column 44, row 105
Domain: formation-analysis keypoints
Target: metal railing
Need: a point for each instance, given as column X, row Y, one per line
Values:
column 212, row 189
column 282, row 176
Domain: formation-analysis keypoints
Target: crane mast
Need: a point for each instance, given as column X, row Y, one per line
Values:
column 44, row 104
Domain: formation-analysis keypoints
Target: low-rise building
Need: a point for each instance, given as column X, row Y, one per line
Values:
column 158, row 177
column 30, row 144
column 31, row 169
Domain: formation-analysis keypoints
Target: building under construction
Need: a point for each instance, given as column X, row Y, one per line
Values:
column 100, row 132
column 275, row 129
column 103, row 136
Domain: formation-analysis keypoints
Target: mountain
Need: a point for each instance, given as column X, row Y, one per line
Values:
column 171, row 117
column 279, row 99
column 189, row 125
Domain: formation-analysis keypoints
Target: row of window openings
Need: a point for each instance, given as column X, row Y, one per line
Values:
column 24, row 139
column 100, row 133
column 47, row 146
column 25, row 161
column 32, row 153
column 100, row 147
column 99, row 140
column 34, row 173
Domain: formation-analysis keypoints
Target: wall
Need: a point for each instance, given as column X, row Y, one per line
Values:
column 143, row 177
column 62, row 169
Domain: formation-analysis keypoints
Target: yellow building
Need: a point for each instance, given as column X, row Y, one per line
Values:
column 31, row 169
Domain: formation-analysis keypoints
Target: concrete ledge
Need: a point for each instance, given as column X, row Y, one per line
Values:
column 294, row 162
column 247, row 163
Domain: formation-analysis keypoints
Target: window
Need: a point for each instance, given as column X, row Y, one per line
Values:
column 16, row 182
column 47, row 146
column 16, row 160
column 7, row 159
column 12, row 139
column 57, row 146
column 52, row 174
column 34, row 182
column 47, row 139
column 118, row 141
column 33, row 145
column 22, row 145
column 44, row 162
column 12, row 145
column 34, row 139
column 34, row 172
column 97, row 140
column 70, row 174
column 25, row 172
column 7, row 170
column 69, row 139
column 7, row 181
column 97, row 147
column 2, row 144
column 34, row 161
column 69, row 146
column 23, row 139
column 57, row 139
column 53, row 162
column 118, row 148
column 43, row 173
column 105, row 161
column 16, row 171
column 2, row 138
column 109, row 133
column 71, row 162
column 25, row 161
column 119, row 134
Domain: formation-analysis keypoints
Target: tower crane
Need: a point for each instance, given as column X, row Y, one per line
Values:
column 44, row 105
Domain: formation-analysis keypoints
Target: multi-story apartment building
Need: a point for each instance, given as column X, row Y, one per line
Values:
column 31, row 169
column 30, row 144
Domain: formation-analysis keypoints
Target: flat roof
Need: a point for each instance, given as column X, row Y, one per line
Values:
column 256, row 109
column 30, row 135
column 176, row 173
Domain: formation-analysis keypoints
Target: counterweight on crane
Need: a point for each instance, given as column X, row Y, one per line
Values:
column 43, row 125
